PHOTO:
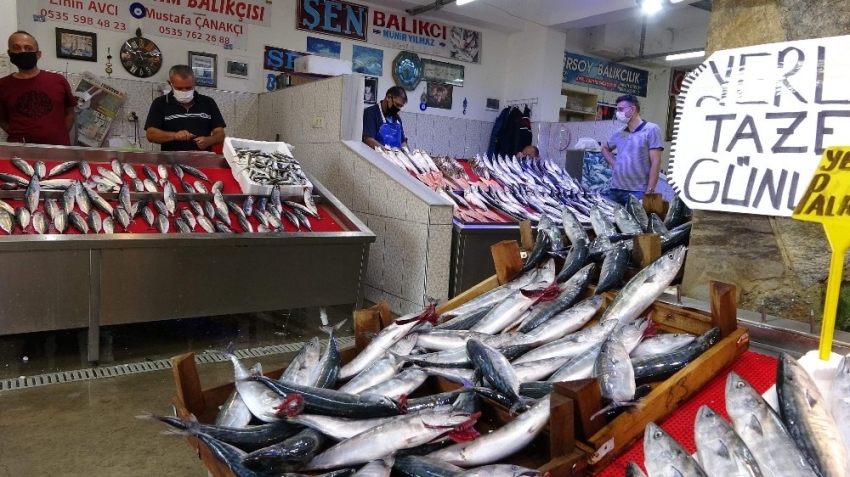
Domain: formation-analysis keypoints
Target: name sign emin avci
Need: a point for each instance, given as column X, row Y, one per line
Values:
column 754, row 122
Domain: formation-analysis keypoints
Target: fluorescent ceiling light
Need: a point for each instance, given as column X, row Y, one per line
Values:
column 463, row 2
column 676, row 1
column 651, row 6
column 685, row 56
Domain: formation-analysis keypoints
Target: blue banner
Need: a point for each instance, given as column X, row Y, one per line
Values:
column 602, row 74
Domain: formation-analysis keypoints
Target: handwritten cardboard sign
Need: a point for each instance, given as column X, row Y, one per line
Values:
column 753, row 123
column 827, row 200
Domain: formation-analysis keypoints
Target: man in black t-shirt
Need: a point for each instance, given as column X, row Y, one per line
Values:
column 184, row 120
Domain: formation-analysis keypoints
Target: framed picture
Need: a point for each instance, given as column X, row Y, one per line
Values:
column 76, row 45
column 442, row 72
column 236, row 69
column 439, row 95
column 671, row 118
column 204, row 65
column 370, row 91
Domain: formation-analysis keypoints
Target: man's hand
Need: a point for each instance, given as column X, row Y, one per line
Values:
column 183, row 135
column 203, row 142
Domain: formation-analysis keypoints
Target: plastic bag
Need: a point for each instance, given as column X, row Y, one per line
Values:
column 588, row 144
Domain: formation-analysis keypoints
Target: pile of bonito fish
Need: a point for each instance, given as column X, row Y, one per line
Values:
column 509, row 345
column 269, row 167
column 76, row 207
column 518, row 188
column 809, row 435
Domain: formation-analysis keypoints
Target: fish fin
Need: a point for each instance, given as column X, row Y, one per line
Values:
column 369, row 334
column 148, row 416
column 721, row 450
column 612, row 406
column 754, row 424
column 518, row 406
column 291, row 406
column 331, row 329
column 653, row 328
column 256, row 370
column 193, row 419
column 176, row 432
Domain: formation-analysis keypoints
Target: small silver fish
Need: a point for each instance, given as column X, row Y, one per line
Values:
column 160, row 207
column 61, row 169
column 8, row 208
column 122, row 217
column 163, row 172
column 196, row 206
column 23, row 166
column 274, row 222
column 138, row 185
column 39, row 222
column 187, row 187
column 221, row 208
column 78, row 222
column 95, row 222
column 131, row 173
column 60, row 221
column 302, row 219
column 85, row 169
column 40, row 169
column 195, row 172
column 23, row 215
column 106, row 173
column 187, row 216
column 170, row 197
column 162, row 224
column 116, row 167
column 124, row 196
column 220, row 227
column 32, row 193
column 178, row 171
column 308, row 200
column 246, row 226
column 7, row 222
column 276, row 198
column 150, row 173
column 103, row 181
column 209, row 208
column 292, row 218
column 98, row 201
column 182, row 226
column 150, row 185
column 217, row 187
column 147, row 213
column 108, row 225
column 51, row 207
column 302, row 208
column 248, row 205
column 236, row 209
column 201, row 187
column 68, row 199
column 206, row 224
column 262, row 228
column 261, row 217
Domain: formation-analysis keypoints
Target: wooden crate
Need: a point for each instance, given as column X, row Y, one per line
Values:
column 574, row 445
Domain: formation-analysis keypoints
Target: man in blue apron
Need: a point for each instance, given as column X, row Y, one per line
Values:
column 381, row 123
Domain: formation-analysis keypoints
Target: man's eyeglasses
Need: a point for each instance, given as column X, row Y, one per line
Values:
column 397, row 99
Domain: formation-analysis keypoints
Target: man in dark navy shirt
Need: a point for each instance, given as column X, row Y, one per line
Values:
column 184, row 120
column 381, row 124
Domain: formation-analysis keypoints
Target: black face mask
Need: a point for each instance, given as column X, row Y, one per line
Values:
column 392, row 110
column 25, row 60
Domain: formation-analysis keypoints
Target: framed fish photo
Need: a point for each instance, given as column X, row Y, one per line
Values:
column 236, row 69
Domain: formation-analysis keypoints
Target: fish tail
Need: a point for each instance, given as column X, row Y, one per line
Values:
column 176, row 432
column 612, row 406
column 331, row 329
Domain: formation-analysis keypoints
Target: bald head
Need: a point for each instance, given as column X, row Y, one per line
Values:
column 21, row 41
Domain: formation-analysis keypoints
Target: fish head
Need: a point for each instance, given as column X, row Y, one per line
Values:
column 741, row 397
column 672, row 261
column 400, row 403
column 291, row 406
column 658, row 446
column 634, row 470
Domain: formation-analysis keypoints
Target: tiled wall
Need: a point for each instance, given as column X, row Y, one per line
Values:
column 554, row 138
column 439, row 135
column 411, row 255
column 238, row 109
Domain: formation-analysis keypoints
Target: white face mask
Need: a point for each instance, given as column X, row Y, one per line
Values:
column 621, row 116
column 184, row 96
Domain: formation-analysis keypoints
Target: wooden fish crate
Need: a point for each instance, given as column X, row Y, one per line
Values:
column 574, row 445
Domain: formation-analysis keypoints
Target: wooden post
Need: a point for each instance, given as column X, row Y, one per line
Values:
column 653, row 203
column 562, row 418
column 587, row 398
column 647, row 248
column 188, row 383
column 365, row 322
column 724, row 307
column 506, row 259
column 526, row 236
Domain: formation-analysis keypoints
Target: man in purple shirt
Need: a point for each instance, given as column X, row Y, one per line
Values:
column 638, row 147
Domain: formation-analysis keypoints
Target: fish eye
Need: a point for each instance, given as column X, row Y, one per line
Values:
column 657, row 434
column 739, row 385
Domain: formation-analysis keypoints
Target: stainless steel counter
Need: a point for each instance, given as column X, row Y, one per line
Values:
column 50, row 282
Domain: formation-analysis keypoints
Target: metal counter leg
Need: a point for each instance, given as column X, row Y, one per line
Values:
column 94, row 308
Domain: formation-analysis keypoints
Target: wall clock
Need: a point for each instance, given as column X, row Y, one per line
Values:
column 141, row 57
column 407, row 70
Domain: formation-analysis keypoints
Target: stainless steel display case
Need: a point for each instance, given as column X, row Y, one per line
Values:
column 472, row 261
column 51, row 282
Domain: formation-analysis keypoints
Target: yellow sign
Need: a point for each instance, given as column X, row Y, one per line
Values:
column 827, row 200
